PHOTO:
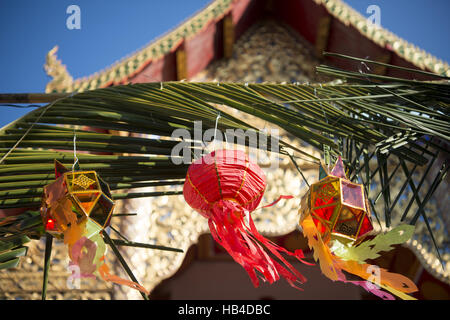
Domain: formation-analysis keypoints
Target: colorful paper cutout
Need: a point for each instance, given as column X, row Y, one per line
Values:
column 77, row 207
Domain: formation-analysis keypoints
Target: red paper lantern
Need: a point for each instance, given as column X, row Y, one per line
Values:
column 225, row 186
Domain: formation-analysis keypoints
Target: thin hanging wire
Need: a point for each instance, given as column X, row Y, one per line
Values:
column 75, row 158
column 32, row 125
column 215, row 131
column 26, row 133
column 326, row 148
column 298, row 168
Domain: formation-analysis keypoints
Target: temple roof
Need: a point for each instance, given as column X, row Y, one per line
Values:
column 324, row 23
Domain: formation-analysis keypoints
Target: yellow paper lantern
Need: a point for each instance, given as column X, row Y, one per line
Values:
column 73, row 197
column 338, row 207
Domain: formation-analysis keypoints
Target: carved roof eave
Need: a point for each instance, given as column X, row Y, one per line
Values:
column 128, row 67
column 384, row 38
column 121, row 71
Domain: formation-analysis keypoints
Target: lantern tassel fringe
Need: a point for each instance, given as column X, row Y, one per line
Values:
column 246, row 245
column 87, row 250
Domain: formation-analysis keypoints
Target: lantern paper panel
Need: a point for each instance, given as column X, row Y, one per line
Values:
column 335, row 218
column 82, row 181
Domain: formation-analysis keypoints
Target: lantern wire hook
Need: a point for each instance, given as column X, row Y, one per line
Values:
column 215, row 130
column 75, row 158
column 326, row 148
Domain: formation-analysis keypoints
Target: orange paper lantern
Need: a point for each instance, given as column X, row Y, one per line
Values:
column 339, row 207
column 74, row 196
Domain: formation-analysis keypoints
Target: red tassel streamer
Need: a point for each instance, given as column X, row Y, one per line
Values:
column 246, row 245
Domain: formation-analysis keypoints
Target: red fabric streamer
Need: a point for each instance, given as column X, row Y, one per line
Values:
column 224, row 186
column 276, row 201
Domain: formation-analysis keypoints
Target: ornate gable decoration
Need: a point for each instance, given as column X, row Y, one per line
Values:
column 121, row 71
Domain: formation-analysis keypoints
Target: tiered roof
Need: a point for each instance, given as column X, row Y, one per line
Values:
column 342, row 26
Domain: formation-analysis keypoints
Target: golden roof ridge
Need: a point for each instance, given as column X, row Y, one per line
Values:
column 128, row 66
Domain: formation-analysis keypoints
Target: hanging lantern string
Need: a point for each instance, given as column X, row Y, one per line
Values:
column 75, row 158
column 321, row 106
column 215, row 130
column 226, row 139
column 24, row 135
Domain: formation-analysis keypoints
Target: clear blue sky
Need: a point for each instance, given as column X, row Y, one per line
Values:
column 112, row 29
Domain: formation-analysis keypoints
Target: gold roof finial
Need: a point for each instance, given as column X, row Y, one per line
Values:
column 55, row 69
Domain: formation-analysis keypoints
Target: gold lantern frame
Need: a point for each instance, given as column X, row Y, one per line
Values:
column 85, row 176
column 89, row 197
column 340, row 204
